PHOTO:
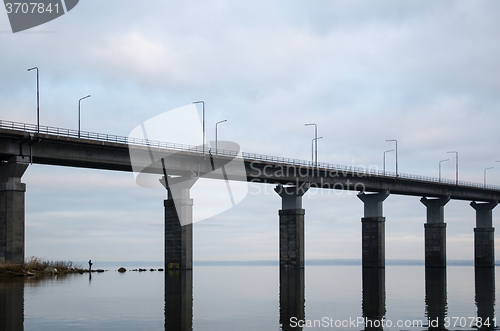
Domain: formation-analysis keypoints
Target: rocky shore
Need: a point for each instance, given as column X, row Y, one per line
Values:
column 38, row 267
column 35, row 266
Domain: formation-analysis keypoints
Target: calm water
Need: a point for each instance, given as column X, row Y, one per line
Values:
column 252, row 298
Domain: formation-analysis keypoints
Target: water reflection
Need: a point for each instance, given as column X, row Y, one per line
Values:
column 15, row 294
column 435, row 297
column 292, row 297
column 485, row 296
column 373, row 304
column 179, row 300
column 12, row 305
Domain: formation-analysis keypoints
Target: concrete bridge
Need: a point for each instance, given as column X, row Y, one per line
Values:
column 24, row 144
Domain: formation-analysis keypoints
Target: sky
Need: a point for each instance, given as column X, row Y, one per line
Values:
column 422, row 72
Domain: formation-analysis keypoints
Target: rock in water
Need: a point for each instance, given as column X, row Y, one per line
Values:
column 122, row 269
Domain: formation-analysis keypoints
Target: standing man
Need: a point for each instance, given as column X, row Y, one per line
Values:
column 90, row 265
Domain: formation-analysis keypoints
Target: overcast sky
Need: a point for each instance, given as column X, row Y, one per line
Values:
column 422, row 72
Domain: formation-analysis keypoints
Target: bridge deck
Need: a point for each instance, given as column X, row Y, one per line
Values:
column 65, row 147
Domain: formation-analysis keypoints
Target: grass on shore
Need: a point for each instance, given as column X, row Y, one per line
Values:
column 37, row 265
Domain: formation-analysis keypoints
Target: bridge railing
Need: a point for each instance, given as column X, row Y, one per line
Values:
column 249, row 157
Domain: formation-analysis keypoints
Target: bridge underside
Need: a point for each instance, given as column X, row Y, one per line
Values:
column 59, row 150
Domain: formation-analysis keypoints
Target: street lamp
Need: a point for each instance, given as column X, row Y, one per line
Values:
column 216, row 134
column 485, row 174
column 396, row 154
column 314, row 142
column 315, row 139
column 79, row 101
column 202, row 102
column 440, row 168
column 391, row 150
column 456, row 161
column 37, row 100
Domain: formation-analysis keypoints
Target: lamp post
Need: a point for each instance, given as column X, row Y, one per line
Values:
column 216, row 134
column 315, row 140
column 203, row 103
column 79, row 101
column 440, row 168
column 37, row 100
column 391, row 150
column 396, row 154
column 456, row 166
column 485, row 174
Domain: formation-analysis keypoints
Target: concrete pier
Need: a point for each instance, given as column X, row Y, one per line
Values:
column 435, row 232
column 12, row 209
column 484, row 235
column 179, row 224
column 292, row 245
column 373, row 230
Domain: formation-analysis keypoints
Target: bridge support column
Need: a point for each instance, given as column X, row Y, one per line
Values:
column 292, row 226
column 373, row 230
column 12, row 210
column 179, row 224
column 484, row 235
column 435, row 232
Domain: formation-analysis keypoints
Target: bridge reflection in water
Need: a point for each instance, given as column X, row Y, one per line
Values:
column 179, row 299
column 373, row 304
column 292, row 297
column 435, row 297
column 485, row 294
column 12, row 304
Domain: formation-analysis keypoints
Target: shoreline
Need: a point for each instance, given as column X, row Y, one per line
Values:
column 36, row 267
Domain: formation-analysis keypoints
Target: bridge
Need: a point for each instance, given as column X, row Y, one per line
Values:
column 23, row 144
